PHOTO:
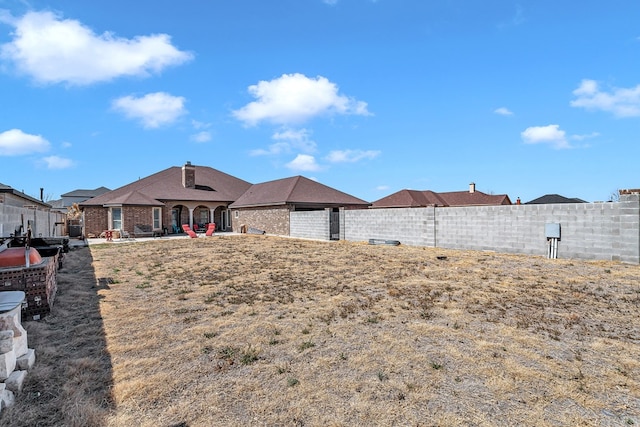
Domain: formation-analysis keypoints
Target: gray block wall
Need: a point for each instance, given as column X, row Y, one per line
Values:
column 606, row 231
column 44, row 222
column 411, row 226
column 309, row 224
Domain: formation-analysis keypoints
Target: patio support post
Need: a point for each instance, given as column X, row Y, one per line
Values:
column 191, row 217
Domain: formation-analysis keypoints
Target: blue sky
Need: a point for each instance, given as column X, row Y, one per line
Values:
column 367, row 96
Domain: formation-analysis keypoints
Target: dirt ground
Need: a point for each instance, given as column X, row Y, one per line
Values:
column 257, row 330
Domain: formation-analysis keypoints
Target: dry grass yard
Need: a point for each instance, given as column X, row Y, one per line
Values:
column 248, row 330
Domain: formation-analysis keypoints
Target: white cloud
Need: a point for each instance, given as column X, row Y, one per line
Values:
column 292, row 135
column 273, row 149
column 351, row 156
column 587, row 136
column 621, row 102
column 503, row 111
column 14, row 142
column 287, row 141
column 382, row 187
column 55, row 50
column 203, row 136
column 153, row 110
column 200, row 125
column 304, row 162
column 550, row 134
column 296, row 98
column 299, row 139
column 55, row 162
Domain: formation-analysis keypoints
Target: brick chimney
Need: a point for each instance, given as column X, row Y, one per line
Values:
column 188, row 175
column 472, row 187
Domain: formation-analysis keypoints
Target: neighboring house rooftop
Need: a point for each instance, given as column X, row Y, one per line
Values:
column 415, row 198
column 8, row 189
column 297, row 190
column 553, row 198
column 87, row 194
column 410, row 199
column 76, row 196
column 187, row 183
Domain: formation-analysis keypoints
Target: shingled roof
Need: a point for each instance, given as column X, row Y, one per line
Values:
column 410, row 199
column 296, row 190
column 477, row 198
column 415, row 198
column 8, row 189
column 211, row 185
column 86, row 193
column 553, row 198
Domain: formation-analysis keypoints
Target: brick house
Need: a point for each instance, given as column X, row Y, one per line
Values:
column 415, row 198
column 162, row 202
column 267, row 206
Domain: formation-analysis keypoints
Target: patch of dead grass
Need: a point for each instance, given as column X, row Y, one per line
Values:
column 258, row 330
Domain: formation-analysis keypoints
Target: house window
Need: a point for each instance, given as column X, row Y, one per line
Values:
column 157, row 223
column 116, row 218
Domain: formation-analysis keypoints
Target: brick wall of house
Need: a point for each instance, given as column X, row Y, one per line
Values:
column 271, row 220
column 95, row 220
column 166, row 219
column 136, row 215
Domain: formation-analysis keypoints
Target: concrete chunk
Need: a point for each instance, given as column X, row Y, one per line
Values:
column 7, row 398
column 16, row 381
column 27, row 360
column 6, row 341
column 7, row 364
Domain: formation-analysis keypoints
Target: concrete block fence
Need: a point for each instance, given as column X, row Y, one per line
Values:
column 310, row 224
column 598, row 231
column 43, row 222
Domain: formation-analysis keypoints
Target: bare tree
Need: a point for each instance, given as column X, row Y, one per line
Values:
column 73, row 211
column 615, row 196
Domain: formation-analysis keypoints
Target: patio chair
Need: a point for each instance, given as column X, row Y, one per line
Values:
column 189, row 231
column 211, row 228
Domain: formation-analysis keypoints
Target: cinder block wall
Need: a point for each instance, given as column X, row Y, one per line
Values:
column 412, row 226
column 608, row 231
column 310, row 224
column 43, row 222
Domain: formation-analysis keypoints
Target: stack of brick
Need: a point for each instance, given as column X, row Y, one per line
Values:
column 38, row 281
